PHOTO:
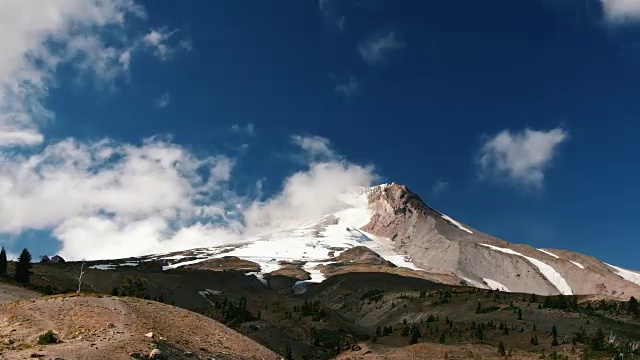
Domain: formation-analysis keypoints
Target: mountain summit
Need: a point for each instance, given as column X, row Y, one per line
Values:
column 412, row 239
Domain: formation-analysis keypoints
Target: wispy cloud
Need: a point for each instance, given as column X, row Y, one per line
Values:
column 163, row 101
column 347, row 89
column 315, row 146
column 157, row 39
column 249, row 129
column 439, row 188
column 621, row 10
column 376, row 49
column 520, row 157
column 327, row 9
column 186, row 44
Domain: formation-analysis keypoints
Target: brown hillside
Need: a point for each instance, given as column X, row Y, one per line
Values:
column 101, row 327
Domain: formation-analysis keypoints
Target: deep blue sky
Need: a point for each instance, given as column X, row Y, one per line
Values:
column 465, row 71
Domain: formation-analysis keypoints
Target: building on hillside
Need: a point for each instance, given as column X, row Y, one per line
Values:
column 44, row 259
column 57, row 259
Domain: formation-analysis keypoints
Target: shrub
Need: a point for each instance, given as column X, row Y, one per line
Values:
column 48, row 338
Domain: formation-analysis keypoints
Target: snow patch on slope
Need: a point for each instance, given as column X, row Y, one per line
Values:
column 311, row 243
column 475, row 283
column 577, row 264
column 548, row 253
column 547, row 271
column 496, row 285
column 457, row 224
column 112, row 266
column 628, row 275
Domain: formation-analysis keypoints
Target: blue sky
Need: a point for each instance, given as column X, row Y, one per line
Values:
column 517, row 118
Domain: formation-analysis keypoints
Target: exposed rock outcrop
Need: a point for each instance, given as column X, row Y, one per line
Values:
column 432, row 239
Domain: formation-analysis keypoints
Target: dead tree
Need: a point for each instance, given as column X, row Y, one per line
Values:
column 80, row 277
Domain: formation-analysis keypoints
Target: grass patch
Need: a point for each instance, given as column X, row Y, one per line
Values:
column 48, row 338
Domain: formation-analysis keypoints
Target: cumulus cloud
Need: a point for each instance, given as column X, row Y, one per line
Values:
column 521, row 157
column 108, row 199
column 163, row 101
column 376, row 49
column 621, row 10
column 307, row 195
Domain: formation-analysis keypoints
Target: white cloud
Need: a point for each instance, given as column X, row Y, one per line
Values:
column 307, row 196
column 621, row 10
column 35, row 37
column 112, row 189
column 520, row 157
column 108, row 199
column 376, row 49
column 315, row 146
column 439, row 188
column 157, row 39
column 163, row 100
column 105, row 199
column 347, row 89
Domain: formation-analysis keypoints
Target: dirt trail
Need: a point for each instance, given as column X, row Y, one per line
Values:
column 101, row 327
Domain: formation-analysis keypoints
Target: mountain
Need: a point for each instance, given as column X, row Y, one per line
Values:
column 414, row 240
column 381, row 276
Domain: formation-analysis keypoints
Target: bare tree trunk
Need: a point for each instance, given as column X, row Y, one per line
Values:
column 80, row 277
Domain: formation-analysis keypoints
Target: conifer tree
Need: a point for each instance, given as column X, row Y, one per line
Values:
column 23, row 267
column 3, row 262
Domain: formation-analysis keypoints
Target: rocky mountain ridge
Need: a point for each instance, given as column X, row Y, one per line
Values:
column 434, row 241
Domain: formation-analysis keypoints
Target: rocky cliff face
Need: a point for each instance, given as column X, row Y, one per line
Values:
column 438, row 243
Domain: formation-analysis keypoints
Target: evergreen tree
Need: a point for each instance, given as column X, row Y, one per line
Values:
column 414, row 338
column 597, row 341
column 501, row 349
column 378, row 331
column 442, row 337
column 633, row 303
column 519, row 314
column 23, row 267
column 289, row 354
column 3, row 262
column 479, row 308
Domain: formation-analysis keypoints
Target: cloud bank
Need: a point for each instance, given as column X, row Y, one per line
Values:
column 520, row 157
column 108, row 199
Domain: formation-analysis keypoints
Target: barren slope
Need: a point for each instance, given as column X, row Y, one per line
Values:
column 100, row 327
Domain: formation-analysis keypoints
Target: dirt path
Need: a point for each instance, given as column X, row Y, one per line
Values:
column 105, row 327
